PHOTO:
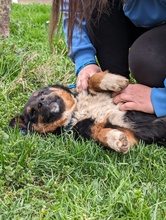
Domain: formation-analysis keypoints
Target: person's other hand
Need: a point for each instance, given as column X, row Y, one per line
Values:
column 84, row 75
column 135, row 97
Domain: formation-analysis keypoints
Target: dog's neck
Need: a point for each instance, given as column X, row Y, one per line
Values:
column 70, row 124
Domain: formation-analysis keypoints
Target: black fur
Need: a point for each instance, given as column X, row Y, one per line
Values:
column 148, row 127
column 79, row 128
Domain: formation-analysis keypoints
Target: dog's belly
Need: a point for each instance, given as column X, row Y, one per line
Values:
column 99, row 107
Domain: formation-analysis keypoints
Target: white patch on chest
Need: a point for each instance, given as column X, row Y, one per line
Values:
column 99, row 107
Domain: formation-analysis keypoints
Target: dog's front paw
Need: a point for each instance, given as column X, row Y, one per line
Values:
column 118, row 141
column 113, row 82
column 119, row 84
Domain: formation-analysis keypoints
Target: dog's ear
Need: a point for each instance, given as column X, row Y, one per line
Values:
column 19, row 122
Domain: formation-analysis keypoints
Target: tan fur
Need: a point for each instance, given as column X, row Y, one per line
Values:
column 101, row 82
column 68, row 98
column 28, row 109
column 117, row 82
column 94, row 81
column 120, row 140
column 45, row 128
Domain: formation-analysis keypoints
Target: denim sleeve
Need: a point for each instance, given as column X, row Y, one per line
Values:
column 158, row 98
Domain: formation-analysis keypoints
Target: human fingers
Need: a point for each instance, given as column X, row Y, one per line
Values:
column 122, row 97
column 115, row 94
column 82, row 84
column 127, row 106
column 84, row 75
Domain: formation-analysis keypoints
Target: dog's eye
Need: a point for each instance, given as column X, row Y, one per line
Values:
column 39, row 105
column 41, row 93
column 44, row 92
column 32, row 113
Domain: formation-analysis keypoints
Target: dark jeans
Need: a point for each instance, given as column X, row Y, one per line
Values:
column 114, row 34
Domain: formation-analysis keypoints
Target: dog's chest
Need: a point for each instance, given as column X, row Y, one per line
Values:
column 99, row 107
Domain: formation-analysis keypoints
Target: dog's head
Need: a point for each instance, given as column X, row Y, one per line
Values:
column 47, row 110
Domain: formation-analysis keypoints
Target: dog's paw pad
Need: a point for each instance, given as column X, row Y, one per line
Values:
column 122, row 143
column 118, row 141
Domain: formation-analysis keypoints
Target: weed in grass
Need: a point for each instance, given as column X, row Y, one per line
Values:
column 48, row 177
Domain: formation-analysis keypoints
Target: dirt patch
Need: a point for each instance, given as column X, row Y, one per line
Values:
column 34, row 1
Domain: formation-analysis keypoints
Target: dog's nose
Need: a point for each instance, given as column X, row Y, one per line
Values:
column 41, row 102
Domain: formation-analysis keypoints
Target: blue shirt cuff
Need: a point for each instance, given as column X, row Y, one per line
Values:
column 85, row 64
column 84, row 58
column 158, row 98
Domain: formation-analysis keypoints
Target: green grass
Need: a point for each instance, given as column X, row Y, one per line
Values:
column 59, row 178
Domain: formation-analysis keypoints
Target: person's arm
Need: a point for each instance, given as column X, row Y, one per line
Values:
column 82, row 52
column 158, row 98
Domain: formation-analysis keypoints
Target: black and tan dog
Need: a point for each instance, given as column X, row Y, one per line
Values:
column 92, row 114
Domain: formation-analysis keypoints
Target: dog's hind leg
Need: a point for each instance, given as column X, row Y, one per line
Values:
column 105, row 81
column 119, row 140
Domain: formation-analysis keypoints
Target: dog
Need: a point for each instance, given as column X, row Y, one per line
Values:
column 91, row 114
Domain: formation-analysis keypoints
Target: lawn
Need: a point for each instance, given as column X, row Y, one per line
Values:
column 59, row 178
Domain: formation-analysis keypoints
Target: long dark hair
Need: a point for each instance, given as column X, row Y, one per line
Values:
column 81, row 8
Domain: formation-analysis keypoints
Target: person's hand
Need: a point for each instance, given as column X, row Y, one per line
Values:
column 84, row 75
column 134, row 97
